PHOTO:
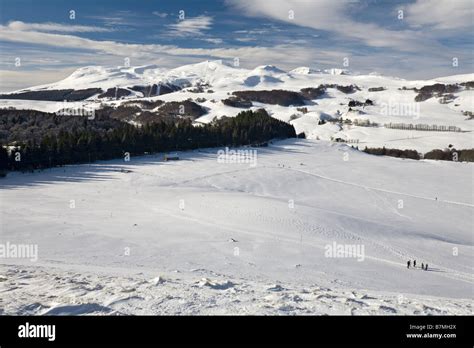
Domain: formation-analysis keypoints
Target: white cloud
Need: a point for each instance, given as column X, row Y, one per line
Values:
column 151, row 51
column 213, row 40
column 333, row 16
column 54, row 27
column 245, row 39
column 74, row 42
column 191, row 26
column 160, row 14
column 112, row 20
column 441, row 14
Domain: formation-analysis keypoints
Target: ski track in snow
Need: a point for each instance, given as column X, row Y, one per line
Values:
column 404, row 256
column 468, row 278
column 379, row 189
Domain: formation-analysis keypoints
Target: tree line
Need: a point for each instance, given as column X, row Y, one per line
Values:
column 450, row 154
column 90, row 144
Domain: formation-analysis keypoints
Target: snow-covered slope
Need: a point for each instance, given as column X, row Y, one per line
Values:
column 393, row 100
column 197, row 292
column 258, row 234
column 304, row 70
column 228, row 76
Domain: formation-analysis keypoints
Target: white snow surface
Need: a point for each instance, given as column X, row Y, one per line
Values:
column 162, row 238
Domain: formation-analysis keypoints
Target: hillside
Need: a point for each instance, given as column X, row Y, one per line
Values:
column 247, row 228
column 365, row 110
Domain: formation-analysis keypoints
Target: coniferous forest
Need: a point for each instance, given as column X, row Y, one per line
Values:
column 47, row 140
column 450, row 154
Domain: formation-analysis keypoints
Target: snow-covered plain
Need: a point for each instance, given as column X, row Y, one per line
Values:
column 196, row 236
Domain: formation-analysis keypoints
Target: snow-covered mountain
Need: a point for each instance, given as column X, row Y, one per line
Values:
column 223, row 75
column 438, row 103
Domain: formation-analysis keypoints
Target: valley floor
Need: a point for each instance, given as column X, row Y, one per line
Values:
column 235, row 238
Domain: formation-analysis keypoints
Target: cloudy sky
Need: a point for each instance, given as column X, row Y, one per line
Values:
column 44, row 41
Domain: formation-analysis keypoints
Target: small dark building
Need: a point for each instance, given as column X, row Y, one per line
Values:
column 171, row 157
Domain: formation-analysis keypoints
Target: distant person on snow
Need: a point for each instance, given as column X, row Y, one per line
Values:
column 422, row 266
column 408, row 264
column 426, row 267
column 414, row 263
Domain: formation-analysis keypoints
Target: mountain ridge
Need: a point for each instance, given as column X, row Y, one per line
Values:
column 372, row 110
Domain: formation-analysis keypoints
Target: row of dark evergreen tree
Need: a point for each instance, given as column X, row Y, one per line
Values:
column 466, row 155
column 89, row 144
column 383, row 151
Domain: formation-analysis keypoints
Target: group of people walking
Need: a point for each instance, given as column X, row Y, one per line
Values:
column 423, row 266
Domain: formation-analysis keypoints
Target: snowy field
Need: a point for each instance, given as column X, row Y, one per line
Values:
column 197, row 236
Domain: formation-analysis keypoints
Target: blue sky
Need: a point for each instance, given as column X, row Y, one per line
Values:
column 370, row 35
